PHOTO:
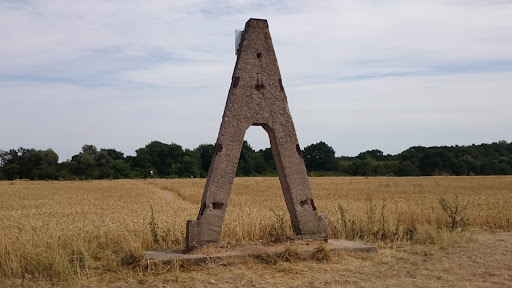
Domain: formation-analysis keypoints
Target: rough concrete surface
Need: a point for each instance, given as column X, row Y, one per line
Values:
column 256, row 98
column 221, row 252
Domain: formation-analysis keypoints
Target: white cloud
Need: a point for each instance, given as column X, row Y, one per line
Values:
column 395, row 113
column 359, row 74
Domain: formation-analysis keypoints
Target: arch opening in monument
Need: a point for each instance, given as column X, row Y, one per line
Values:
column 285, row 187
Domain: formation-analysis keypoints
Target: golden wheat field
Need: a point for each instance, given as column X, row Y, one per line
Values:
column 94, row 233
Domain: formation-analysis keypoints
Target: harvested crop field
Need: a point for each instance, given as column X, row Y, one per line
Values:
column 94, row 233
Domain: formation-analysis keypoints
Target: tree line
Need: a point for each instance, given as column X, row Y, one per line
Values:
column 164, row 160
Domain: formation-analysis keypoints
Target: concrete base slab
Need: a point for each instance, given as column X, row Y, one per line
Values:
column 222, row 252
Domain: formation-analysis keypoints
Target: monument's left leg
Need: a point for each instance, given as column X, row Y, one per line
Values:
column 208, row 225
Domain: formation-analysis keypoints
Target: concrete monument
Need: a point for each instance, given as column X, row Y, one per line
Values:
column 256, row 98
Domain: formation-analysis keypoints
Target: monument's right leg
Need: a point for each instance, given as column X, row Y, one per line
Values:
column 306, row 222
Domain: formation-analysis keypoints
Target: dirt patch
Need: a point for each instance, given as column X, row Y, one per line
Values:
column 483, row 261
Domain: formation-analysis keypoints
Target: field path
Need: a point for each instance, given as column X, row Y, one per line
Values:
column 167, row 194
column 180, row 190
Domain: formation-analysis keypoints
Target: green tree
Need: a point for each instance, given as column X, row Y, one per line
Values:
column 121, row 170
column 189, row 165
column 437, row 161
column 90, row 149
column 466, row 165
column 44, row 165
column 12, row 171
column 205, row 152
column 83, row 166
column 268, row 157
column 10, row 164
column 363, row 167
column 375, row 154
column 406, row 168
column 141, row 163
column 320, row 157
column 29, row 164
column 163, row 159
column 103, row 162
column 385, row 168
column 246, row 161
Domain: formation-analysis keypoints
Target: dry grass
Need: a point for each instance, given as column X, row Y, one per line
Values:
column 96, row 231
column 66, row 230
column 373, row 207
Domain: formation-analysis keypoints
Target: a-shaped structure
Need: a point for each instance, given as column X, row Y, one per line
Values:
column 256, row 98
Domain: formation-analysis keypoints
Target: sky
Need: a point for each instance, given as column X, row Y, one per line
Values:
column 359, row 75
